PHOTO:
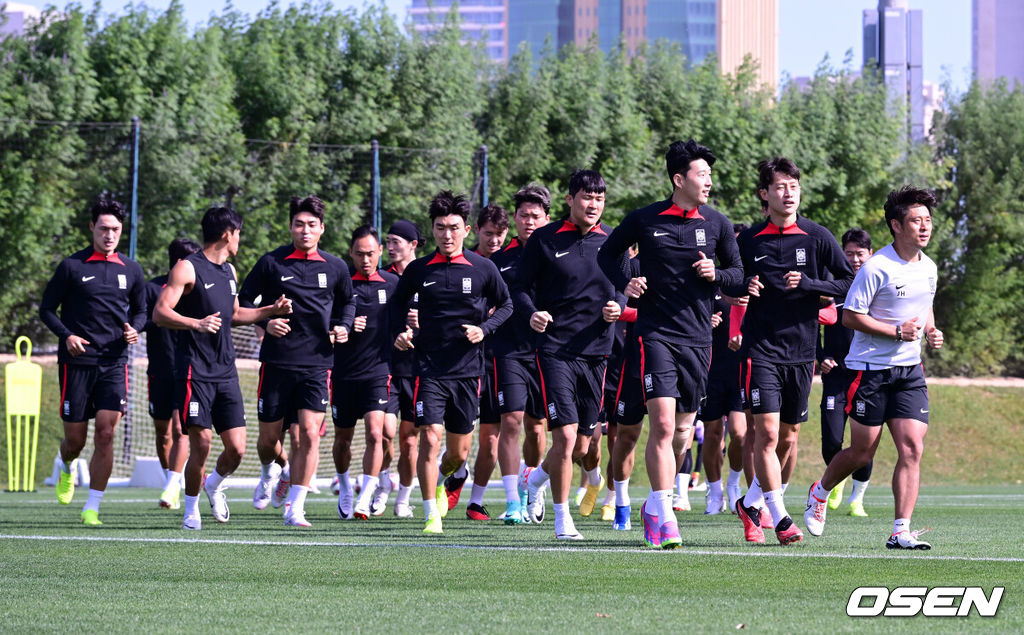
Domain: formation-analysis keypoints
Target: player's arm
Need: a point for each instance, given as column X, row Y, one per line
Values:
column 247, row 315
column 180, row 281
column 830, row 254
column 137, row 304
column 730, row 266
column 54, row 293
column 612, row 252
column 499, row 299
column 398, row 307
column 525, row 286
column 343, row 308
column 749, row 280
column 932, row 334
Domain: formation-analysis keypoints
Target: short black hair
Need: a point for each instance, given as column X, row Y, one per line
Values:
column 899, row 202
column 767, row 169
column 363, row 231
column 680, row 155
column 495, row 215
column 218, row 220
column 739, row 227
column 533, row 193
column 447, row 203
column 310, row 204
column 858, row 237
column 590, row 181
column 107, row 206
column 181, row 248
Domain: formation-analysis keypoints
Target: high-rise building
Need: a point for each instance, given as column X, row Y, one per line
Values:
column 893, row 45
column 481, row 20
column 749, row 27
column 997, row 47
column 16, row 16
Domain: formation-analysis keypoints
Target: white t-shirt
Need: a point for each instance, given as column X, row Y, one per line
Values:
column 893, row 291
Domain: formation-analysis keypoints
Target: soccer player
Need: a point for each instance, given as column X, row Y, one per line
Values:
column 491, row 230
column 457, row 289
column 787, row 260
column 297, row 354
column 171, row 444
column 678, row 239
column 201, row 299
column 101, row 295
column 835, row 380
column 572, row 305
column 362, row 379
column 402, row 240
column 519, row 397
column 889, row 308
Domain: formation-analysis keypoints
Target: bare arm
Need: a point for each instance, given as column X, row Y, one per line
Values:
column 180, row 282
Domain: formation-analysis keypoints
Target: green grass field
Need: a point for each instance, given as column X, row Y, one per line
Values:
column 140, row 572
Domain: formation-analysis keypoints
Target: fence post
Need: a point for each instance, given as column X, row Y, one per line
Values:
column 375, row 182
column 134, row 239
column 484, row 185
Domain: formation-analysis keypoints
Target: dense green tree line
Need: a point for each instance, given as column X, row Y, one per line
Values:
column 257, row 109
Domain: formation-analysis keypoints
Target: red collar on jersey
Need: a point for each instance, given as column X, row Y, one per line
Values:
column 771, row 229
column 374, row 277
column 513, row 244
column 98, row 257
column 298, row 254
column 675, row 210
column 457, row 259
column 568, row 226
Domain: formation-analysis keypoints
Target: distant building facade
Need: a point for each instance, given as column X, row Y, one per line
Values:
column 893, row 43
column 997, row 40
column 16, row 17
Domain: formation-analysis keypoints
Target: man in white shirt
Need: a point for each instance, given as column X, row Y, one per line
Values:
column 889, row 306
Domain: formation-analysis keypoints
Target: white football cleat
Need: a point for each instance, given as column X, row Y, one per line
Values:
column 192, row 522
column 814, row 513
column 403, row 510
column 380, row 497
column 219, row 504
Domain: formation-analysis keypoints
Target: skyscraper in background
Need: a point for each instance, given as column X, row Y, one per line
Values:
column 749, row 27
column 893, row 44
column 17, row 15
column 481, row 19
column 997, row 40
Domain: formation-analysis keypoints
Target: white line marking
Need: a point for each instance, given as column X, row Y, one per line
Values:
column 421, row 545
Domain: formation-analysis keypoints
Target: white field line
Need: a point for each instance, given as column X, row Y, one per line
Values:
column 422, row 545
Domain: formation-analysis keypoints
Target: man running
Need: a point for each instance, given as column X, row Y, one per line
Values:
column 201, row 299
column 457, row 290
column 101, row 295
column 297, row 354
column 171, row 444
column 788, row 261
column 678, row 239
column 889, row 307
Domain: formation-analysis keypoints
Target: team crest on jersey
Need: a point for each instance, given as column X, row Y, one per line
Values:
column 501, row 397
column 702, row 240
column 862, row 407
column 755, row 397
column 122, row 281
column 931, row 285
column 467, row 285
column 801, row 256
column 830, row 403
column 321, row 280
column 193, row 408
column 551, row 411
column 382, row 296
column 234, row 288
column 648, row 382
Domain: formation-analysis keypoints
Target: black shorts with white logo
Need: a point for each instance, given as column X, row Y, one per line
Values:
column 519, row 387
column 628, row 407
column 490, row 412
column 782, row 388
column 161, row 397
column 84, row 390
column 573, row 391
column 403, row 389
column 352, row 399
column 674, row 370
column 282, row 390
column 877, row 396
column 723, row 397
column 210, row 404
column 454, row 403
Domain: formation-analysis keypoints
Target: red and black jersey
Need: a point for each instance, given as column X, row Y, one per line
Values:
column 782, row 326
column 403, row 363
column 725, row 363
column 207, row 356
column 835, row 338
column 677, row 303
column 160, row 342
column 558, row 273
column 514, row 338
column 319, row 286
column 367, row 354
column 452, row 292
column 97, row 295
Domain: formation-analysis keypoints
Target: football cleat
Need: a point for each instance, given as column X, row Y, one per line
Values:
column 453, row 489
column 713, row 506
column 835, row 497
column 513, row 513
column 219, row 504
column 622, row 516
column 535, row 506
column 570, row 534
column 380, row 497
column 362, row 509
column 345, row 505
column 814, row 512
column 577, row 500
column 477, row 512
column 261, row 495
column 681, row 503
column 857, row 509
column 433, row 525
column 787, row 532
column 669, row 535
column 280, row 493
column 908, row 540
column 766, row 519
column 170, row 498
column 295, row 519
column 751, row 518
column 91, row 518
column 608, row 513
column 403, row 510
column 442, row 500
column 65, row 487
column 192, row 522
column 652, row 533
column 589, row 500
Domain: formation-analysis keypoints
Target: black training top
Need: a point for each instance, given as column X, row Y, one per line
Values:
column 97, row 295
column 725, row 363
column 160, row 342
column 208, row 356
column 513, row 339
column 403, row 363
column 782, row 326
column 558, row 273
column 319, row 287
column 677, row 303
column 452, row 292
column 836, row 338
column 367, row 354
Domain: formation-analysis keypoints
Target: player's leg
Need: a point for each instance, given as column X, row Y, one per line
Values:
column 345, row 411
column 373, row 458
column 590, row 465
column 509, row 459
column 833, row 424
column 175, row 482
column 110, row 399
column 483, row 467
column 427, row 471
column 272, row 392
column 737, row 425
column 199, row 439
column 304, row 463
column 75, row 435
column 714, row 438
column 684, row 461
column 863, row 444
column 559, row 460
column 384, row 484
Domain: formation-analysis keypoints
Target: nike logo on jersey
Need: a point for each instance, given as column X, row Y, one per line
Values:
column 900, row 286
column 207, row 286
column 285, row 278
column 427, row 284
column 87, row 278
column 718, row 297
column 656, row 234
column 505, row 268
column 559, row 254
column 324, row 402
column 382, row 401
column 759, row 258
column 923, row 411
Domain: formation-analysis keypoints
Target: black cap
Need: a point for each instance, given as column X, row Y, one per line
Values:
column 407, row 230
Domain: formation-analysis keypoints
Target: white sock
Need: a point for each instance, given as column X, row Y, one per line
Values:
column 652, row 504
column 429, row 507
column 682, row 482
column 538, row 477
column 784, row 486
column 594, row 476
column 344, row 485
column 265, row 470
column 191, row 505
column 563, row 519
column 297, row 498
column 477, row 497
column 715, row 489
column 858, row 491
column 609, row 497
column 820, row 492
column 754, row 496
column 93, row 503
column 404, row 491
column 286, row 472
column 368, row 485
column 384, row 475
column 622, row 493
column 665, row 512
column 214, row 481
column 776, row 506
column 511, row 484
column 181, row 479
column 462, row 472
column 734, row 477
column 901, row 525
column 173, row 480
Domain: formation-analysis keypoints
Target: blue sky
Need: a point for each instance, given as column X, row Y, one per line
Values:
column 808, row 30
